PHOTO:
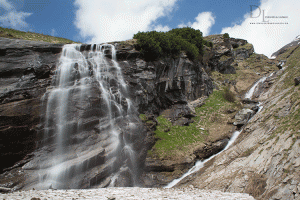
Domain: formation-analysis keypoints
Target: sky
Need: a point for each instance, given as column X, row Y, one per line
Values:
column 267, row 24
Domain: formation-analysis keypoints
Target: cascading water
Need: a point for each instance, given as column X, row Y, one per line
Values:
column 200, row 164
column 90, row 124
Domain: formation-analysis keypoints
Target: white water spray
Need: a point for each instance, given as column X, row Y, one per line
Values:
column 82, row 78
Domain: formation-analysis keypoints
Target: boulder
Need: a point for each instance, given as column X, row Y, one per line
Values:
column 243, row 116
column 197, row 103
column 210, row 149
column 183, row 122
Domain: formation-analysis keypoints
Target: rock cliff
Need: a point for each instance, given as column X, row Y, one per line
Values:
column 164, row 86
column 26, row 70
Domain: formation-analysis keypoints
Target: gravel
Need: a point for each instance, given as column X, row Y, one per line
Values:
column 126, row 193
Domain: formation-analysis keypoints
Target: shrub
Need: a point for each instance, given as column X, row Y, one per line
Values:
column 154, row 45
column 191, row 35
column 228, row 95
column 207, row 43
column 226, row 35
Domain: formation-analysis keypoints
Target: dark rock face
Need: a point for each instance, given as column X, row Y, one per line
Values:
column 158, row 85
column 26, row 68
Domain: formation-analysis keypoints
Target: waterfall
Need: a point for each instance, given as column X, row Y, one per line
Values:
column 89, row 124
column 200, row 164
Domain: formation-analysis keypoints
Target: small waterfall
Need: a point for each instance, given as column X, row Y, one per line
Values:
column 200, row 164
column 89, row 123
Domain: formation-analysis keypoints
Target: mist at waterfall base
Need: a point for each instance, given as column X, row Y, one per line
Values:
column 89, row 124
column 200, row 164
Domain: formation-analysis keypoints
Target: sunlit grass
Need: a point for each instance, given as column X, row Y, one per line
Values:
column 12, row 33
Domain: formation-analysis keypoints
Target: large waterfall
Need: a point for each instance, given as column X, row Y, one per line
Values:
column 89, row 124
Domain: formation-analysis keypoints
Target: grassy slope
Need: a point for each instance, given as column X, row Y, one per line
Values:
column 15, row 34
column 181, row 141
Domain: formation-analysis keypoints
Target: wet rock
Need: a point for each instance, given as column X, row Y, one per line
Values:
column 249, row 101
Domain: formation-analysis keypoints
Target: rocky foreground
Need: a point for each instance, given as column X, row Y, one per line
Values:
column 126, row 193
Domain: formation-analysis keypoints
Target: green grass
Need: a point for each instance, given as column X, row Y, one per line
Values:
column 175, row 140
column 12, row 33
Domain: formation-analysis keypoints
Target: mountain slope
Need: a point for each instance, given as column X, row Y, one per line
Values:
column 265, row 160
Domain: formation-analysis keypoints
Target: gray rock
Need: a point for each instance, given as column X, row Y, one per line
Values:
column 243, row 116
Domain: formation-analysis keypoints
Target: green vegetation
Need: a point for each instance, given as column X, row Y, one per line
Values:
column 180, row 140
column 226, row 35
column 154, row 45
column 11, row 33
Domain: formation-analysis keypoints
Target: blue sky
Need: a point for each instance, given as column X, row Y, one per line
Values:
column 100, row 21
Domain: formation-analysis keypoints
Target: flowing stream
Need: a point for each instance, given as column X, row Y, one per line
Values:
column 89, row 123
column 200, row 164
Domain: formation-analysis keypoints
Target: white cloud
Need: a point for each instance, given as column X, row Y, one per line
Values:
column 13, row 18
column 204, row 21
column 268, row 38
column 113, row 20
column 161, row 28
column 4, row 4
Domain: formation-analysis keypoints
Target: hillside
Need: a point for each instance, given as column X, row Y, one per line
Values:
column 15, row 34
column 264, row 162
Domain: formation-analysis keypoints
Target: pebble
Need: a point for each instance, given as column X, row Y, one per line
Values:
column 126, row 193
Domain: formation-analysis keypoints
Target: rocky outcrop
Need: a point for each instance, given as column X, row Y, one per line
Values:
column 29, row 69
column 26, row 70
column 157, row 85
column 225, row 52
